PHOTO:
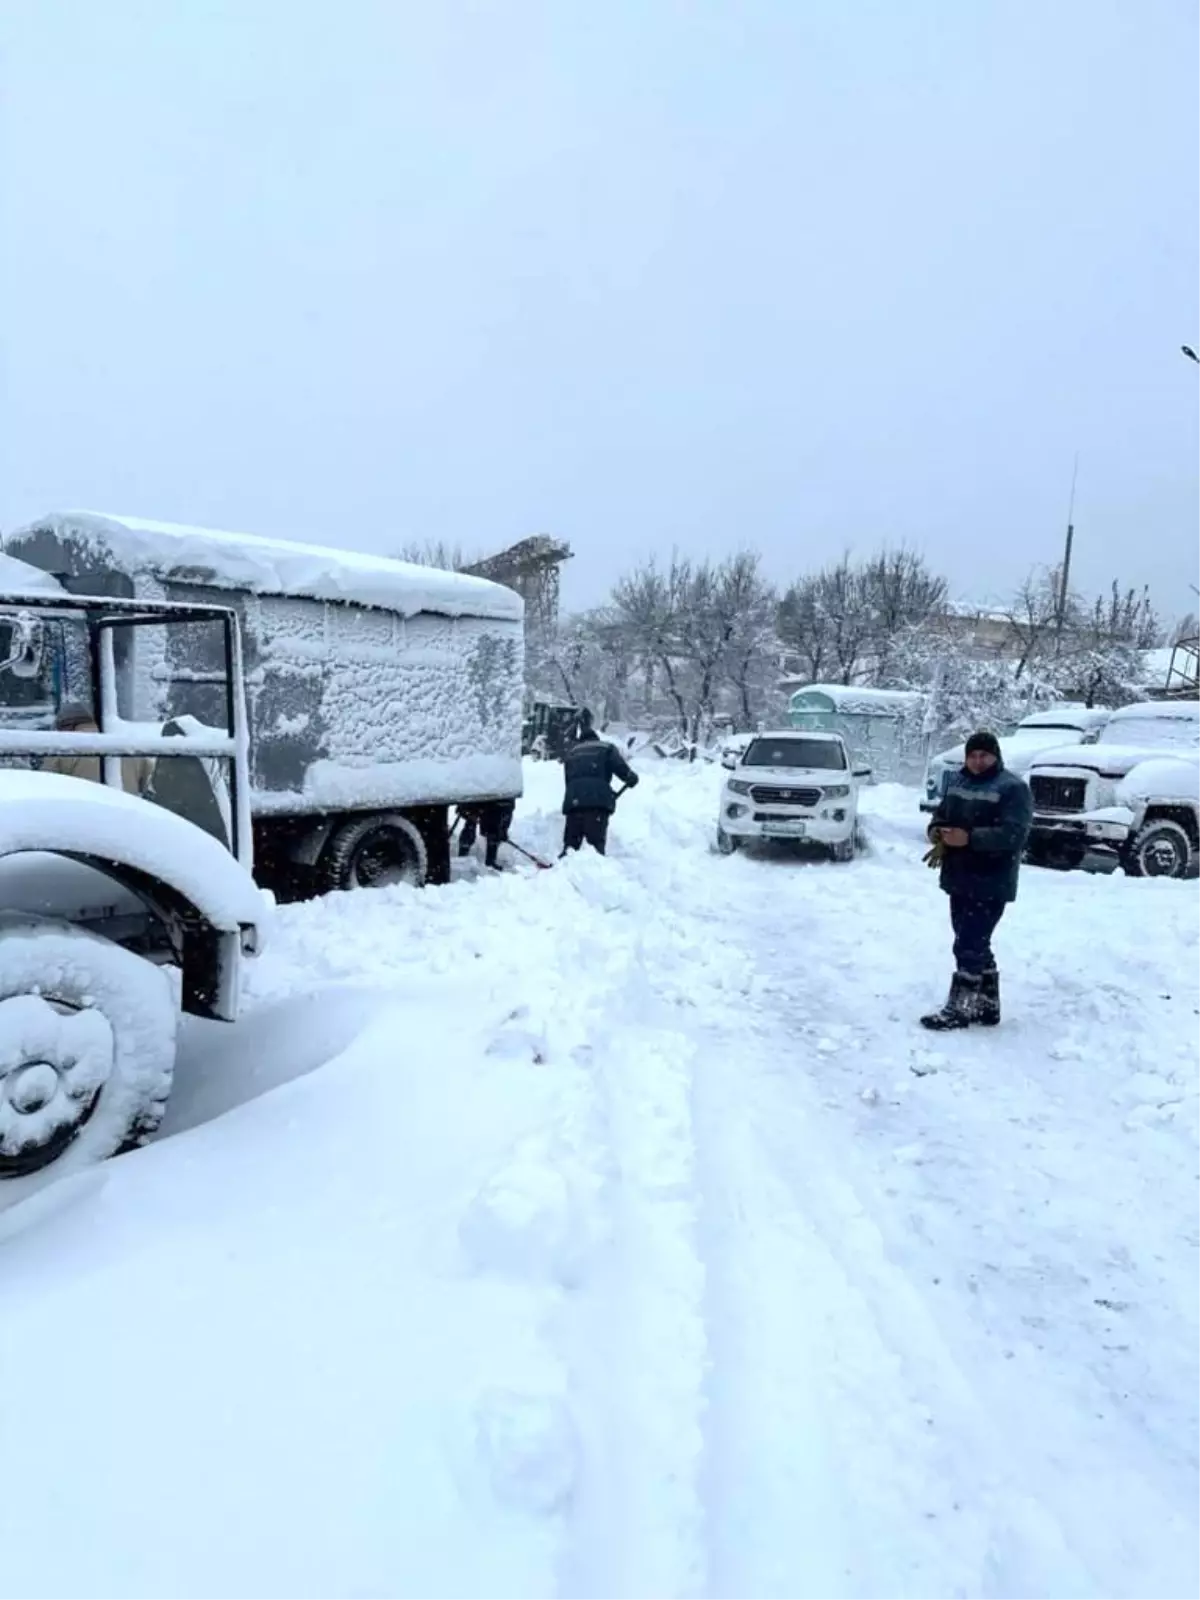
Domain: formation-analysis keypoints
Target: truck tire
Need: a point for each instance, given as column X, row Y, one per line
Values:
column 374, row 852
column 1160, row 849
column 87, row 1047
column 726, row 843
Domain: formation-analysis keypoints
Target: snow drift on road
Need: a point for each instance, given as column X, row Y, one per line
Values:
column 613, row 1231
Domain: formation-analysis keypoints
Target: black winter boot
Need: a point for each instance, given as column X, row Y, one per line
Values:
column 988, row 1011
column 962, row 1005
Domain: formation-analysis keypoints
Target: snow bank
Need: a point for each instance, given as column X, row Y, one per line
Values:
column 276, row 566
column 631, row 1239
column 47, row 811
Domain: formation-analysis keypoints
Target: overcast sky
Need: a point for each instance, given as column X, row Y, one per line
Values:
column 807, row 274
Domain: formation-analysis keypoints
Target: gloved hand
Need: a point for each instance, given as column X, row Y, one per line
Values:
column 933, row 856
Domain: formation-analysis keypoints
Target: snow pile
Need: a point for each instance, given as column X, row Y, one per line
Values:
column 273, row 566
column 619, row 1233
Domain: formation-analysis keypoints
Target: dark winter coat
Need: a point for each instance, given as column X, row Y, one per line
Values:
column 590, row 765
column 997, row 811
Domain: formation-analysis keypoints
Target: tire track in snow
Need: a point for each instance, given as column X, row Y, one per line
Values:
column 826, row 1368
column 1035, row 1446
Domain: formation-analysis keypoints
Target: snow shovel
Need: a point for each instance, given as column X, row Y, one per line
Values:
column 529, row 855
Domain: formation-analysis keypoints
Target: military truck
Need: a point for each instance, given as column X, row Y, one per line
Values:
column 379, row 694
column 104, row 890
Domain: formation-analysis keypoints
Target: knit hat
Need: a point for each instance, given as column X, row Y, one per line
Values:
column 983, row 740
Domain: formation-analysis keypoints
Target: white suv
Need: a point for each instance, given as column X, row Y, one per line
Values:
column 791, row 785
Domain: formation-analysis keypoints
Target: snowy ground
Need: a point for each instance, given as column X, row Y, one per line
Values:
column 613, row 1231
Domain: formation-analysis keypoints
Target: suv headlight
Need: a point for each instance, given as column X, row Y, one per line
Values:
column 736, row 786
column 838, row 792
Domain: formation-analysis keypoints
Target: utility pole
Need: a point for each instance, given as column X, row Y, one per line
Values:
column 1061, row 613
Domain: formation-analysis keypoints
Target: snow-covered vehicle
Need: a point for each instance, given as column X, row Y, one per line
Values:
column 1133, row 796
column 791, row 785
column 379, row 694
column 1042, row 730
column 103, row 890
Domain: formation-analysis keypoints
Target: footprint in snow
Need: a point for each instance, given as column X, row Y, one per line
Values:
column 530, row 1447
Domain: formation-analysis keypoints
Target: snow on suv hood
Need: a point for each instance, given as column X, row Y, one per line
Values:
column 793, row 777
column 1114, row 759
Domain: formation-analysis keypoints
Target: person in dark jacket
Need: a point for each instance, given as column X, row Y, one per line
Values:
column 978, row 834
column 493, row 820
column 589, row 766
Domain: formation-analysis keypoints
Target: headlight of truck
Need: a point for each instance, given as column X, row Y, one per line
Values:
column 735, row 786
column 838, row 792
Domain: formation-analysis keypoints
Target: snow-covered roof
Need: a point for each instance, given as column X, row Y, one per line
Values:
column 280, row 566
column 855, row 700
column 987, row 610
column 49, row 811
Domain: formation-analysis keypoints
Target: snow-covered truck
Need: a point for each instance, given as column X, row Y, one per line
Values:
column 102, row 892
column 379, row 694
column 1133, row 796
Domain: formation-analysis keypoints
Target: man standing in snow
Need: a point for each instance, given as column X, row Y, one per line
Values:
column 978, row 834
column 589, row 766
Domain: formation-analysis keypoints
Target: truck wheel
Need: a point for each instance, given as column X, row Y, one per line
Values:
column 726, row 843
column 87, row 1047
column 374, row 853
column 1159, row 850
column 843, row 850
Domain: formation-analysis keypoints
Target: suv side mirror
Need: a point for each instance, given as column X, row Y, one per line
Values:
column 861, row 772
column 729, row 761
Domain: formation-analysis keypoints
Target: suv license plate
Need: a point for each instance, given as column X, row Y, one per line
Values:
column 784, row 830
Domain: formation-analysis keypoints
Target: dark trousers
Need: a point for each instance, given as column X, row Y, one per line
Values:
column 585, row 827
column 974, row 922
column 493, row 821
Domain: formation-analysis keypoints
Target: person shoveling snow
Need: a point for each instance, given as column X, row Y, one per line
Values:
column 589, row 767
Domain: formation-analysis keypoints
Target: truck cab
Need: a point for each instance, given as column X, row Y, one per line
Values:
column 126, row 886
column 1131, row 799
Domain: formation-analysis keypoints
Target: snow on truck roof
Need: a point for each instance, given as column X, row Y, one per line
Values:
column 1159, row 710
column 281, row 566
column 18, row 577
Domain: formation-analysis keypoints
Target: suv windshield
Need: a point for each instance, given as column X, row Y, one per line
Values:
column 826, row 753
column 1157, row 732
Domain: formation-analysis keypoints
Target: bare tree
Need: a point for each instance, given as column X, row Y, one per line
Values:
column 1185, row 628
column 1032, row 616
column 804, row 628
column 435, row 553
column 646, row 605
column 752, row 646
column 901, row 593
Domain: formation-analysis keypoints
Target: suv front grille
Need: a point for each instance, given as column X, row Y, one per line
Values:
column 763, row 796
column 1058, row 794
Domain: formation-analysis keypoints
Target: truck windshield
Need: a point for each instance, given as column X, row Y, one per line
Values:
column 1155, row 732
column 823, row 753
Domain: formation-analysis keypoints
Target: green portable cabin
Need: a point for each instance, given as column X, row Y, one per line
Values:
column 882, row 727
